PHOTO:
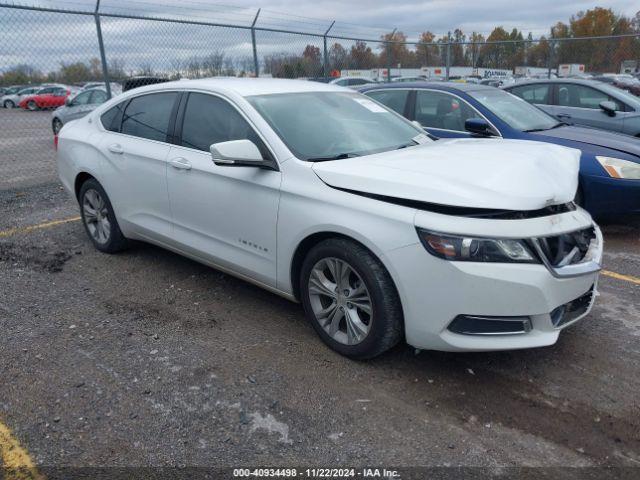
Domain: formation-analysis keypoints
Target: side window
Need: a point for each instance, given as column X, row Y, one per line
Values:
column 570, row 95
column 45, row 91
column 209, row 119
column 441, row 110
column 395, row 99
column 82, row 99
column 147, row 116
column 534, row 93
column 98, row 96
column 112, row 118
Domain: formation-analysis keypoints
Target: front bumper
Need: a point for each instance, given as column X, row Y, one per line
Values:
column 434, row 292
column 605, row 196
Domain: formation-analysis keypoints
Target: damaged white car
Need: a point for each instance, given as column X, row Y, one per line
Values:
column 325, row 197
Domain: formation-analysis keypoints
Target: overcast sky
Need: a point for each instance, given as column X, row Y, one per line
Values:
column 373, row 16
column 413, row 16
column 44, row 40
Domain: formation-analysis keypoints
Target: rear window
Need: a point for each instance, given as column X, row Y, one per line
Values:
column 148, row 116
column 395, row 99
column 112, row 118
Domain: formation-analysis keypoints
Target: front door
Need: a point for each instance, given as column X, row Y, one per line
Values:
column 225, row 214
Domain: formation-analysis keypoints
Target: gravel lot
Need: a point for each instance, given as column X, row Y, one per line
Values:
column 148, row 359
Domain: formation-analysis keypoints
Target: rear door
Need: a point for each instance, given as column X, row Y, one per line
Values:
column 135, row 149
column 397, row 99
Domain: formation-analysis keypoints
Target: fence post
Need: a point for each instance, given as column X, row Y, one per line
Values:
column 325, row 60
column 448, row 55
column 103, row 56
column 256, row 66
column 550, row 57
column 389, row 44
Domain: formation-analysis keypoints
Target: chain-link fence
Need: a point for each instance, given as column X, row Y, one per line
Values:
column 49, row 55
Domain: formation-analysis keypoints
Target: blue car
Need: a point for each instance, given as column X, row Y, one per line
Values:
column 610, row 162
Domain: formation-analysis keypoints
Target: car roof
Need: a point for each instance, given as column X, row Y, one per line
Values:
column 246, row 87
column 579, row 81
column 451, row 86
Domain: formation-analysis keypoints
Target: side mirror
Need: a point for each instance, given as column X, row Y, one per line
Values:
column 68, row 102
column 478, row 126
column 609, row 108
column 236, row 152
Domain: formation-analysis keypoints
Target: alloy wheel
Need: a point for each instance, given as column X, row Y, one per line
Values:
column 340, row 301
column 31, row 105
column 95, row 215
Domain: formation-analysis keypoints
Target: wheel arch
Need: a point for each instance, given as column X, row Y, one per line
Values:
column 82, row 177
column 313, row 239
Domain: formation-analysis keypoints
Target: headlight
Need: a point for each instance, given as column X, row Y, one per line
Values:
column 618, row 168
column 472, row 249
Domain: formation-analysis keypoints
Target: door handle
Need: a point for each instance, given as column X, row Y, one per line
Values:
column 563, row 115
column 180, row 163
column 116, row 148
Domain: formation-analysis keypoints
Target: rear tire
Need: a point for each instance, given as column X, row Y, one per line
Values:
column 99, row 219
column 56, row 125
column 9, row 104
column 358, row 314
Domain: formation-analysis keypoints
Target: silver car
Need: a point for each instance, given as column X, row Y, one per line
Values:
column 77, row 106
column 12, row 98
column 583, row 102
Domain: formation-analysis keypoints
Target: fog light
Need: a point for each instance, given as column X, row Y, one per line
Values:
column 476, row 325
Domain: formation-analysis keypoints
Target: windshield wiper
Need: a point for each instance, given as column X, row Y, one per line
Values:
column 339, row 156
column 559, row 124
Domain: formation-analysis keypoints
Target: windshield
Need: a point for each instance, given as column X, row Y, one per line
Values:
column 621, row 95
column 319, row 126
column 514, row 111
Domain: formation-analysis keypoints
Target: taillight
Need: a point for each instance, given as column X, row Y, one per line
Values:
column 55, row 142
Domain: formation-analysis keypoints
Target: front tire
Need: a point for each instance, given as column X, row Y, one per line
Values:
column 9, row 104
column 350, row 299
column 98, row 218
column 32, row 106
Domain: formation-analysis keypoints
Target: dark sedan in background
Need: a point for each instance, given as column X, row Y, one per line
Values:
column 610, row 162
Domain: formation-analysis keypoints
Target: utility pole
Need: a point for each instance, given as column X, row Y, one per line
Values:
column 103, row 56
column 389, row 45
column 325, row 57
column 256, row 66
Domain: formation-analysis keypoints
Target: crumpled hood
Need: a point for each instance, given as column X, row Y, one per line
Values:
column 480, row 173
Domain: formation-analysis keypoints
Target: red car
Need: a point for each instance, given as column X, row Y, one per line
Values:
column 49, row 97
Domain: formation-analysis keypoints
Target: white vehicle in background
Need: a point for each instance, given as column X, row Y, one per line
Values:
column 116, row 88
column 324, row 196
column 409, row 79
column 570, row 69
column 351, row 81
column 12, row 100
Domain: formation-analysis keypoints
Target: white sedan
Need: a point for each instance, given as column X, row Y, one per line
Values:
column 325, row 197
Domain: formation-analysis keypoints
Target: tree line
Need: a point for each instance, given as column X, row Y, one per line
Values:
column 500, row 49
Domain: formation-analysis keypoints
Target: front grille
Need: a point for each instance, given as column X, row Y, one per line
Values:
column 568, row 248
column 570, row 311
